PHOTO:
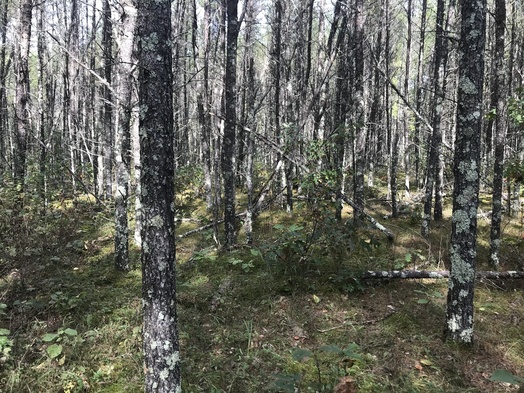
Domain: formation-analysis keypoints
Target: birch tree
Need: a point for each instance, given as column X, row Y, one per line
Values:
column 22, row 89
column 123, row 134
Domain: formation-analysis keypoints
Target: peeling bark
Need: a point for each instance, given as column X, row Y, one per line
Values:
column 123, row 136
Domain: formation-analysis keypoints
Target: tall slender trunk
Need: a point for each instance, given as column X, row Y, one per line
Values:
column 275, row 69
column 108, row 127
column 42, row 76
column 22, row 90
column 229, row 143
column 405, row 114
column 436, row 137
column 419, row 89
column 123, row 135
column 360, row 111
column 500, row 130
column 341, row 106
column 4, row 65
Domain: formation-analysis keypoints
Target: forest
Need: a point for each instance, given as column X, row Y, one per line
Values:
column 261, row 196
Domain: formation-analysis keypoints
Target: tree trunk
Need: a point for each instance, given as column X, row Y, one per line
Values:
column 123, row 135
column 459, row 316
column 275, row 71
column 419, row 90
column 3, row 77
column 22, row 90
column 229, row 143
column 405, row 114
column 161, row 345
column 42, row 81
column 108, row 134
column 499, row 94
column 341, row 106
column 360, row 111
column 435, row 140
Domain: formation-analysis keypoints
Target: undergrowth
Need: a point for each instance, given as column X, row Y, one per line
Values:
column 285, row 314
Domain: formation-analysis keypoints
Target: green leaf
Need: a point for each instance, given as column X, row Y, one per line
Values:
column 285, row 382
column 408, row 257
column 316, row 299
column 506, row 376
column 255, row 252
column 300, row 354
column 4, row 332
column 49, row 337
column 422, row 301
column 54, row 351
column 332, row 349
column 70, row 332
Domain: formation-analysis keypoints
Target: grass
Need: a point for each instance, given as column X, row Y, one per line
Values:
column 286, row 313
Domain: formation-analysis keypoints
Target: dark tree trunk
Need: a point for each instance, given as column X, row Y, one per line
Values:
column 405, row 113
column 72, row 93
column 4, row 65
column 229, row 143
column 419, row 90
column 22, row 90
column 108, row 134
column 435, row 140
column 463, row 244
column 499, row 94
column 275, row 70
column 161, row 346
column 123, row 135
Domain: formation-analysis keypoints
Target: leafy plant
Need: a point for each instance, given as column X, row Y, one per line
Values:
column 55, row 350
column 324, row 367
column 507, row 377
column 6, row 344
column 428, row 295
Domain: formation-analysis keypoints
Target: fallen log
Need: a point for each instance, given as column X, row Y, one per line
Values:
column 417, row 274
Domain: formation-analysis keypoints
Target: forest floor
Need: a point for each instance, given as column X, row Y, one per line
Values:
column 287, row 314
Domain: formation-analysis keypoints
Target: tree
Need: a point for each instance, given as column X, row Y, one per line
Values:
column 360, row 110
column 123, row 135
column 498, row 95
column 108, row 134
column 229, row 143
column 4, row 68
column 22, row 89
column 435, row 141
column 161, row 346
column 466, row 166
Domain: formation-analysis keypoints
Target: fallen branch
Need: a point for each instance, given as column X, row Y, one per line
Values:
column 204, row 227
column 369, row 275
column 352, row 323
column 373, row 222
